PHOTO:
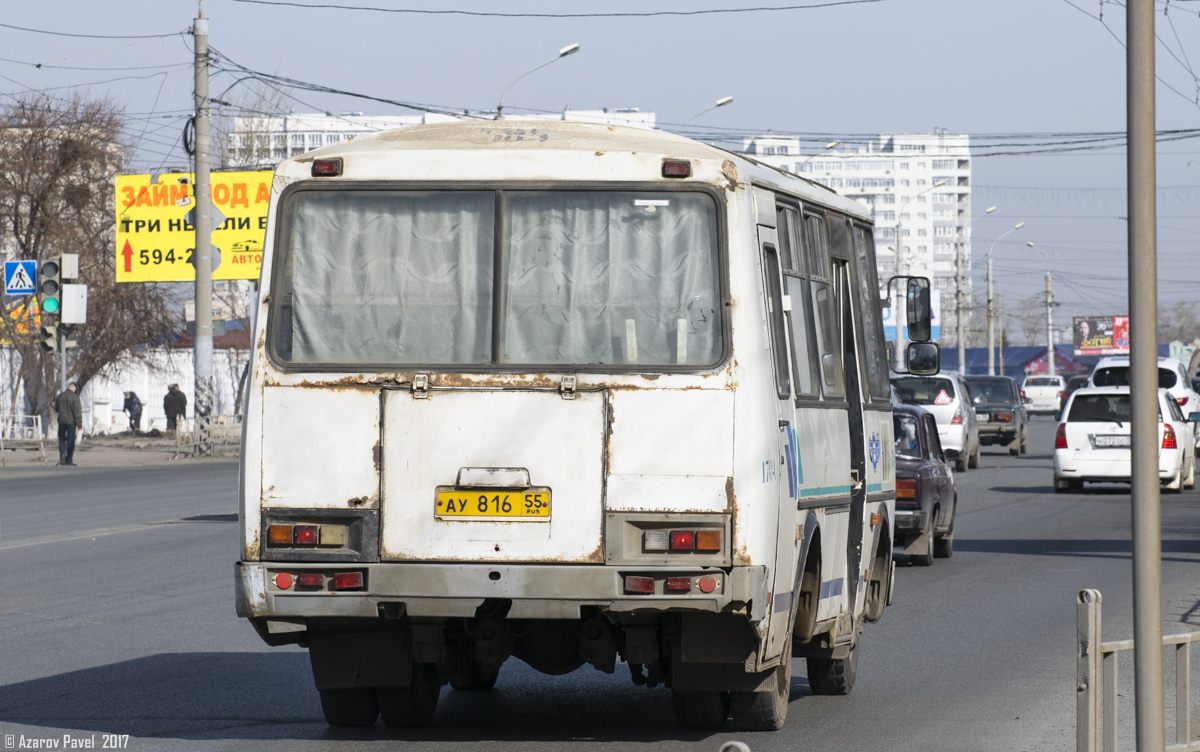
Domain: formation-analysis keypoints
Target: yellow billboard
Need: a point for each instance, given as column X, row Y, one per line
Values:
column 155, row 238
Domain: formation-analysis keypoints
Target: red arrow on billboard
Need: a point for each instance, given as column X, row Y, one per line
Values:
column 127, row 252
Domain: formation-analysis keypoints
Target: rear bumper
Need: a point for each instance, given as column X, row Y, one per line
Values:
column 1069, row 466
column 911, row 520
column 537, row 591
column 997, row 433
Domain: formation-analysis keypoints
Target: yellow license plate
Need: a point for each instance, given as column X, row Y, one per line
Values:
column 478, row 503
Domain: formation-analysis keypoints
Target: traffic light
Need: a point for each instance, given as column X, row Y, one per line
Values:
column 49, row 286
column 48, row 336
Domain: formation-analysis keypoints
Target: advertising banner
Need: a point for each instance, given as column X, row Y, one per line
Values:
column 1101, row 335
column 155, row 237
column 889, row 317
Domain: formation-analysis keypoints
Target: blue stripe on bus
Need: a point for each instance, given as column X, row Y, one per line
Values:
column 874, row 487
column 831, row 588
column 783, row 601
column 825, row 491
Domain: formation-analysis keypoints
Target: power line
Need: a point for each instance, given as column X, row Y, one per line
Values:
column 92, row 36
column 646, row 14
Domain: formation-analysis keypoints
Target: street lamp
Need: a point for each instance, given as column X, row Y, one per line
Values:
column 720, row 103
column 827, row 147
column 991, row 318
column 1049, row 315
column 570, row 49
column 899, row 257
column 958, row 296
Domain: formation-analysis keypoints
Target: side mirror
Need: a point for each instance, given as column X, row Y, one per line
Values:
column 920, row 310
column 1193, row 417
column 924, row 358
column 1058, row 417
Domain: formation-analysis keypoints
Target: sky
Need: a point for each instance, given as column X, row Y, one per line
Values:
column 975, row 67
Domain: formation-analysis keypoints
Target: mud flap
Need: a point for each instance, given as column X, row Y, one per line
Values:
column 921, row 543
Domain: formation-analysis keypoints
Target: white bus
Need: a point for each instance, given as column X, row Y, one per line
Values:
column 570, row 393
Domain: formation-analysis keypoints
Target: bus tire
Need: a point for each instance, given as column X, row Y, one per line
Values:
column 700, row 711
column 350, row 707
column 412, row 706
column 829, row 676
column 474, row 679
column 764, row 711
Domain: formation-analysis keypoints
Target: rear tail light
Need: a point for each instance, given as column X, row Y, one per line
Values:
column 639, row 585
column 683, row 540
column 1060, row 436
column 676, row 168
column 906, row 489
column 1002, row 417
column 283, row 580
column 679, row 584
column 1022, row 394
column 348, row 581
column 305, row 535
column 707, row 584
column 279, row 535
column 957, row 421
column 1169, row 438
column 326, row 168
column 1181, row 400
column 310, row 579
column 1060, row 395
column 708, row 540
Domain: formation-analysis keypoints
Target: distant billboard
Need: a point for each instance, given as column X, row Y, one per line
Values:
column 1101, row 335
column 889, row 317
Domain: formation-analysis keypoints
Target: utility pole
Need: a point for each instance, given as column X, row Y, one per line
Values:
column 203, row 253
column 1049, row 325
column 991, row 323
column 1143, row 375
column 959, row 309
column 1000, row 317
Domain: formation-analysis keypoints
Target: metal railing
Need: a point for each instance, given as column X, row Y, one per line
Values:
column 20, row 427
column 1096, row 688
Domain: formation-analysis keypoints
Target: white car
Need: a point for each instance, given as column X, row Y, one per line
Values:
column 1172, row 376
column 1092, row 441
column 948, row 397
column 1043, row 392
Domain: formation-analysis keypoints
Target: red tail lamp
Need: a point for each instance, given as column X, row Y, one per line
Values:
column 1169, row 438
column 906, row 489
column 305, row 535
column 310, row 579
column 1002, row 417
column 326, row 168
column 707, row 584
column 683, row 540
column 679, row 584
column 348, row 581
column 1060, row 436
column 639, row 585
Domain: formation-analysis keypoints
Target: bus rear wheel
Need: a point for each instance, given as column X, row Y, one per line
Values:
column 354, row 706
column 830, row 676
column 701, row 711
column 765, row 711
column 414, row 705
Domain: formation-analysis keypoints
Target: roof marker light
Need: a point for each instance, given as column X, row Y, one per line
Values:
column 326, row 168
column 676, row 168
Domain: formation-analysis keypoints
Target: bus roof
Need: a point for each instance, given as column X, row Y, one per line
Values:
column 601, row 151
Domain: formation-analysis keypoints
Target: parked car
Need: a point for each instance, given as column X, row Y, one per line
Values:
column 1044, row 393
column 1092, row 442
column 1172, row 376
column 1073, row 383
column 948, row 397
column 926, row 496
column 1001, row 412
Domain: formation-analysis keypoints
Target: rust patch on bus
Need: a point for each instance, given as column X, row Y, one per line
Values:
column 729, row 170
column 730, row 495
column 377, row 458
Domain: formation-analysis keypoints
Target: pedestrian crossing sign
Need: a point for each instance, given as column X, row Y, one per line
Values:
column 19, row 277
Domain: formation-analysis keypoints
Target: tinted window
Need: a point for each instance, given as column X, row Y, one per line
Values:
column 1043, row 381
column 875, row 363
column 995, row 391
column 1119, row 376
column 1173, row 407
column 935, row 442
column 1105, row 408
column 923, row 391
column 908, row 443
column 783, row 382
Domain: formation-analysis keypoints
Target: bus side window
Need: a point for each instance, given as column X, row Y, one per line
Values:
column 803, row 362
column 783, row 382
column 823, row 307
column 875, row 366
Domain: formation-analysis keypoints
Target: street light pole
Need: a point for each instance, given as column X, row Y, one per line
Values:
column 1049, row 313
column 991, row 321
column 570, row 49
column 720, row 103
column 203, row 253
column 959, row 308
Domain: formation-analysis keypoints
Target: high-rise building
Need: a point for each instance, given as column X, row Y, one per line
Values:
column 915, row 184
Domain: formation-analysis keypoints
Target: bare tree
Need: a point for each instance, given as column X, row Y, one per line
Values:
column 58, row 159
column 1179, row 322
column 248, row 132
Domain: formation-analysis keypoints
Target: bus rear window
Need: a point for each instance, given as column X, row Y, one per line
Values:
column 578, row 278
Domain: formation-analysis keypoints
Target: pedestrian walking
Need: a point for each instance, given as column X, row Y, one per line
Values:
column 175, row 405
column 133, row 408
column 70, row 423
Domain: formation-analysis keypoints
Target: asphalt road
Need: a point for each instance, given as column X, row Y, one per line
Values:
column 116, row 617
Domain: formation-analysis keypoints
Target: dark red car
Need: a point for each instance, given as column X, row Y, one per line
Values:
column 926, row 497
